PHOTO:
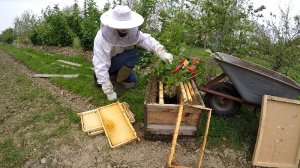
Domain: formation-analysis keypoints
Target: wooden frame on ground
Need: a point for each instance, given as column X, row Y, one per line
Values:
column 278, row 139
column 116, row 125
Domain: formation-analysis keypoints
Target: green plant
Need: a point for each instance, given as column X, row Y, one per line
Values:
column 166, row 72
column 145, row 59
column 7, row 36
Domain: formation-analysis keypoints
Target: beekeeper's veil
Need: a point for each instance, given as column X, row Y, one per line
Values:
column 121, row 17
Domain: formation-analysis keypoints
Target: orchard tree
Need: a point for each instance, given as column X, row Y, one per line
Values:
column 224, row 25
column 284, row 50
column 23, row 26
column 147, row 8
column 74, row 19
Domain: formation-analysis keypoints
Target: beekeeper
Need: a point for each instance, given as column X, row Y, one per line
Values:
column 113, row 48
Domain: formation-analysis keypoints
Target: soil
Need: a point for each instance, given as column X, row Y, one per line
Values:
column 77, row 149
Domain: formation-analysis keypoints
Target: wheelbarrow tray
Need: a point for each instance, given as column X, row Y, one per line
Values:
column 253, row 81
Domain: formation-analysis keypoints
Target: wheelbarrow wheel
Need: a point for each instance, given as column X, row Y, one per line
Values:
column 220, row 105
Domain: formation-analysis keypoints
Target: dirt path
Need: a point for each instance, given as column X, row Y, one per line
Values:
column 72, row 147
column 73, row 101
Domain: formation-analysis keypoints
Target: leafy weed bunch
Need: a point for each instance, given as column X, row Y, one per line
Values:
column 163, row 71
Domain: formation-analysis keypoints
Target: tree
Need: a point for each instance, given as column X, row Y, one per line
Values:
column 90, row 24
column 284, row 50
column 74, row 19
column 224, row 25
column 23, row 25
column 146, row 8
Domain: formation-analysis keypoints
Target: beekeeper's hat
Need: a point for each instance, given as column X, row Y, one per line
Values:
column 121, row 17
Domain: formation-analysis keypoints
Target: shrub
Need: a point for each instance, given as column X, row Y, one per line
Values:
column 7, row 36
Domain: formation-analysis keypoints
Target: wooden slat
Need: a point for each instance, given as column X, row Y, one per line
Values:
column 200, row 158
column 169, row 129
column 166, row 118
column 175, row 166
column 161, row 93
column 197, row 93
column 172, row 108
column 202, row 107
column 64, row 66
column 191, row 89
column 95, row 132
column 69, row 63
column 183, row 93
column 188, row 93
column 55, row 75
column 145, row 116
column 175, row 135
column 128, row 112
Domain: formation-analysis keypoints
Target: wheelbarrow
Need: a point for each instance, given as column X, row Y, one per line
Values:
column 248, row 83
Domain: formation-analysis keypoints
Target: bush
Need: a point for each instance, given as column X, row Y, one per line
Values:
column 7, row 36
column 54, row 30
column 90, row 24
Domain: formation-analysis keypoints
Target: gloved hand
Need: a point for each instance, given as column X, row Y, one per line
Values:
column 112, row 96
column 161, row 52
column 108, row 90
column 167, row 56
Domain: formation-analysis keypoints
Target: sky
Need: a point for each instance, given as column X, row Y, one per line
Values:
column 10, row 9
column 274, row 5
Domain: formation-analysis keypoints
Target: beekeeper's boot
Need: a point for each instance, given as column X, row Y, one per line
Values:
column 123, row 74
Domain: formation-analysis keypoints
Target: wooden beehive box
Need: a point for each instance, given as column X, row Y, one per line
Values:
column 160, row 114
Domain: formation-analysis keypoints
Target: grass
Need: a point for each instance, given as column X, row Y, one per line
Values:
column 30, row 118
column 236, row 132
column 12, row 153
column 239, row 131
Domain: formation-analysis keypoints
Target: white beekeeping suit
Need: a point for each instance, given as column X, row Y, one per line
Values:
column 108, row 43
